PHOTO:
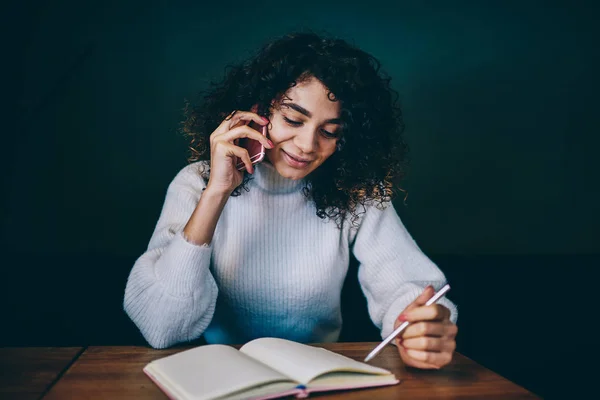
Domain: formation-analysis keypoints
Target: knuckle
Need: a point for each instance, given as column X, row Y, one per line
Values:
column 424, row 342
column 422, row 328
column 447, row 313
column 452, row 346
column 253, row 132
column 248, row 131
column 453, row 330
column 446, row 358
column 216, row 145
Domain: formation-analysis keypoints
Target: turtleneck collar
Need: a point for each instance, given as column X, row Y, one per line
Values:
column 268, row 179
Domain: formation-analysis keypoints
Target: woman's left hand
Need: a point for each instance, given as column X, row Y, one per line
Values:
column 428, row 342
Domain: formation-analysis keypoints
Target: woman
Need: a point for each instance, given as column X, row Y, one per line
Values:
column 270, row 260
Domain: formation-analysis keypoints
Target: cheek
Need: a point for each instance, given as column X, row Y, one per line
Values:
column 327, row 149
column 279, row 132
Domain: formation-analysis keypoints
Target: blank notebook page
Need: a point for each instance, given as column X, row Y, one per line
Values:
column 211, row 371
column 303, row 363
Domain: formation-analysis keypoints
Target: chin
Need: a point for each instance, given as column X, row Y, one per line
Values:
column 290, row 173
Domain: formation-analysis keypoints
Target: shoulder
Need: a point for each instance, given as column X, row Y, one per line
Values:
column 368, row 215
column 193, row 177
column 372, row 209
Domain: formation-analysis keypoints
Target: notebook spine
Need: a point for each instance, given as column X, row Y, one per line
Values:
column 302, row 392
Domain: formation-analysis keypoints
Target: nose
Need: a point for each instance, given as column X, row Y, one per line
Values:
column 306, row 140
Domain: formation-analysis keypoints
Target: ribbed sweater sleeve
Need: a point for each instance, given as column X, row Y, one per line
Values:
column 170, row 294
column 393, row 271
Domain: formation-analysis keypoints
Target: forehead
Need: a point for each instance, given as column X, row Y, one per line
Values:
column 314, row 96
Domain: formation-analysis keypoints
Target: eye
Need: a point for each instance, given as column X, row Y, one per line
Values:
column 325, row 133
column 292, row 122
column 328, row 134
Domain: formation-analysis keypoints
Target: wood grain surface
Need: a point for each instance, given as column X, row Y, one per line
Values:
column 27, row 372
column 116, row 373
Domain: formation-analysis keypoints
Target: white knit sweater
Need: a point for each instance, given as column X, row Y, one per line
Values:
column 273, row 267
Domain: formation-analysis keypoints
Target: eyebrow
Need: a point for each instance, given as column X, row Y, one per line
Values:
column 307, row 113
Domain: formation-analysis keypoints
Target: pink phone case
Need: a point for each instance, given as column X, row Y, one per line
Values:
column 256, row 150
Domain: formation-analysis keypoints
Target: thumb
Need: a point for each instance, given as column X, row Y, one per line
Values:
column 425, row 295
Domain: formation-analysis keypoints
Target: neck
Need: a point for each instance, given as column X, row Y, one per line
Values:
column 268, row 179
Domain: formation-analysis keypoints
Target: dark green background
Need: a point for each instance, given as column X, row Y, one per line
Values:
column 501, row 106
column 498, row 100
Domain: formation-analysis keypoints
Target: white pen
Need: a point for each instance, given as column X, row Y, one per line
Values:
column 403, row 326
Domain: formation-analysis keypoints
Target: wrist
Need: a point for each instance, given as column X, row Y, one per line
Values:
column 216, row 192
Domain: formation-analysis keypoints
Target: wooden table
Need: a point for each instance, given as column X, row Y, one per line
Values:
column 27, row 372
column 115, row 372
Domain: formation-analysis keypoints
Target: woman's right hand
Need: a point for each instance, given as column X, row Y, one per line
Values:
column 224, row 176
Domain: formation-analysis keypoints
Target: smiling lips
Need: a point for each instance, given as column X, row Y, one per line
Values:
column 294, row 161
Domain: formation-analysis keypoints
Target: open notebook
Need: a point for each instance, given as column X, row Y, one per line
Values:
column 264, row 368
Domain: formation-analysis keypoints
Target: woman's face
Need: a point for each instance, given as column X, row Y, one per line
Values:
column 304, row 129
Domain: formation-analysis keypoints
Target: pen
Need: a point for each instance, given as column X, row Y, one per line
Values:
column 403, row 326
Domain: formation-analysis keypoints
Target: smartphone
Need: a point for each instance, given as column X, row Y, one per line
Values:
column 256, row 150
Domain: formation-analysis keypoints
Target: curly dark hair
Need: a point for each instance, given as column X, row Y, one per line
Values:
column 372, row 155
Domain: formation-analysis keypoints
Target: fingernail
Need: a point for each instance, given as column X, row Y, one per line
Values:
column 270, row 143
column 265, row 119
column 402, row 318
